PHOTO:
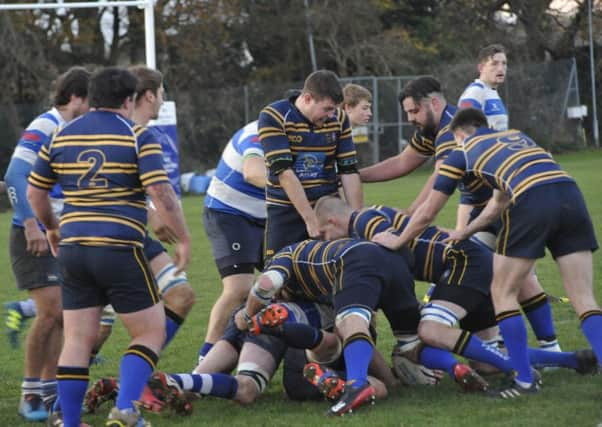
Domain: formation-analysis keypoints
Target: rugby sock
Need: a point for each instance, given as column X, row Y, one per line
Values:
column 49, row 392
column 72, row 383
column 514, row 332
column 541, row 358
column 471, row 347
column 298, row 335
column 539, row 313
column 207, row 346
column 28, row 307
column 218, row 385
column 358, row 349
column 137, row 365
column 172, row 324
column 31, row 385
column 591, row 325
column 437, row 358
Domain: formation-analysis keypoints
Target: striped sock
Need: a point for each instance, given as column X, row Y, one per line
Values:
column 218, row 385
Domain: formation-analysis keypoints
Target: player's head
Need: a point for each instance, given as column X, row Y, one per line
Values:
column 113, row 88
column 424, row 102
column 333, row 217
column 320, row 96
column 71, row 90
column 149, row 91
column 492, row 64
column 466, row 122
column 357, row 102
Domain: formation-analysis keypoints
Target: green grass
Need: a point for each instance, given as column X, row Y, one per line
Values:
column 566, row 399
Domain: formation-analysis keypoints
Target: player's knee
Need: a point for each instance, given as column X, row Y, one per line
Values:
column 428, row 332
column 247, row 391
column 180, row 299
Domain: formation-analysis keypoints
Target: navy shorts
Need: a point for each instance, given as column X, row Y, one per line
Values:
column 31, row 271
column 284, row 226
column 374, row 277
column 480, row 313
column 552, row 216
column 468, row 264
column 152, row 247
column 100, row 275
column 236, row 242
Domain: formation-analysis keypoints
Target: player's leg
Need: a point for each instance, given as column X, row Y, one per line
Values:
column 177, row 294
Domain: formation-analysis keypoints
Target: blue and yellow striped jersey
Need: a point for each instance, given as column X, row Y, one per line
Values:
column 440, row 144
column 314, row 154
column 102, row 162
column 430, row 254
column 311, row 268
column 508, row 161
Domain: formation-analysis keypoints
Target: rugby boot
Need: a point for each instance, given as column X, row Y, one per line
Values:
column 32, row 408
column 270, row 317
column 469, row 379
column 352, row 398
column 327, row 381
column 102, row 391
column 163, row 391
column 126, row 418
column 587, row 362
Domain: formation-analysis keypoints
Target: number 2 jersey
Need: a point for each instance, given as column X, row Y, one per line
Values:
column 102, row 161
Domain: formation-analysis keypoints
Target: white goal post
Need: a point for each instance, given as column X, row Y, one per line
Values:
column 149, row 16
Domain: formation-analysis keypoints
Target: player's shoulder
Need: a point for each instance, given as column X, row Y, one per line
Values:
column 46, row 123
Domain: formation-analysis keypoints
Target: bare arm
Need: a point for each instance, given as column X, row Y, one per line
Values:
column 492, row 212
column 422, row 218
column 39, row 201
column 296, row 194
column 393, row 167
column 352, row 187
column 170, row 212
column 426, row 188
column 463, row 215
column 253, row 171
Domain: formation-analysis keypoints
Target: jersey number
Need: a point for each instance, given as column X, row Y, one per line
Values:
column 95, row 159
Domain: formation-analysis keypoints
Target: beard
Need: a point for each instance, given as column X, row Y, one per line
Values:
column 429, row 129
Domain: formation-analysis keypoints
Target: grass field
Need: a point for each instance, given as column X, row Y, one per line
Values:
column 566, row 398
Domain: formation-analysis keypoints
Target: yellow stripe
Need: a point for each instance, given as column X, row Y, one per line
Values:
column 275, row 152
column 274, row 114
column 349, row 154
column 72, row 377
column 486, row 156
column 465, row 262
column 535, row 179
column 111, row 137
column 150, row 284
column 93, row 144
column 142, row 355
column 297, row 271
column 312, row 269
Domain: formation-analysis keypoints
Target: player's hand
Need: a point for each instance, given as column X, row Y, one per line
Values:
column 54, row 237
column 36, row 240
column 456, row 235
column 181, row 255
column 240, row 321
column 387, row 239
column 313, row 227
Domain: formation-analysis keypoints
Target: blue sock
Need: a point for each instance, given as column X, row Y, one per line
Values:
column 137, row 365
column 514, row 332
column 218, row 385
column 72, row 384
column 437, row 358
column 591, row 325
column 207, row 346
column 358, row 351
column 172, row 324
column 539, row 313
column 471, row 347
column 542, row 358
column 299, row 335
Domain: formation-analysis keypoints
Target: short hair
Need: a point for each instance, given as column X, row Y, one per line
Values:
column 488, row 51
column 353, row 94
column 148, row 79
column 468, row 118
column 323, row 84
column 74, row 81
column 110, row 87
column 330, row 205
column 421, row 88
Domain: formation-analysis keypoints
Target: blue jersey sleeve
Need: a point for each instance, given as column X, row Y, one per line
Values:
column 273, row 138
column 251, row 146
column 346, row 154
column 16, row 182
column 451, row 172
column 150, row 158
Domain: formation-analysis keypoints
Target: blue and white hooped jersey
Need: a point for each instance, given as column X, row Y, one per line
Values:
column 479, row 95
column 228, row 191
column 170, row 159
column 39, row 131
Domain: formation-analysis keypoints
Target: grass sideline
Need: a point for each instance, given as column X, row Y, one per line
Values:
column 566, row 398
